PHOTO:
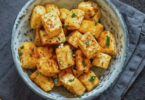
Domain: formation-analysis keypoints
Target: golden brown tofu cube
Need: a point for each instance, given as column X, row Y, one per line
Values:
column 74, row 19
column 73, row 38
column 72, row 84
column 64, row 57
column 43, row 82
column 36, row 22
column 89, row 80
column 89, row 45
column 52, row 8
column 54, row 40
column 37, row 39
column 45, row 52
column 92, row 27
column 52, row 24
column 83, row 64
column 108, row 43
column 47, row 67
column 63, row 14
column 102, row 60
column 28, row 55
column 91, row 10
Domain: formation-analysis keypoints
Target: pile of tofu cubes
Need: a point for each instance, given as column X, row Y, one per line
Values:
column 67, row 44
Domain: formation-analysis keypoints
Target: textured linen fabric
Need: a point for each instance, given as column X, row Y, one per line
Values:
column 12, row 86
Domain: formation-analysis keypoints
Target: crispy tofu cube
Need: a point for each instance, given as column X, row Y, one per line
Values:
column 99, row 30
column 47, row 67
column 72, row 84
column 37, row 39
column 102, row 60
column 83, row 64
column 89, row 45
column 43, row 82
column 89, row 80
column 74, row 19
column 108, row 43
column 36, row 22
column 63, row 14
column 52, row 24
column 52, row 8
column 92, row 27
column 64, row 57
column 73, row 38
column 45, row 52
column 91, row 10
column 28, row 55
column 54, row 40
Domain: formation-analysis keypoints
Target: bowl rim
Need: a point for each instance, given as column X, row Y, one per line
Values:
column 21, row 73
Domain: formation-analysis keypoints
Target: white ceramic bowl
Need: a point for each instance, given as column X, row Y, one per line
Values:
column 112, row 21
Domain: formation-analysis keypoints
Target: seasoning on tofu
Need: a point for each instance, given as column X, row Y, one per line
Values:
column 68, row 44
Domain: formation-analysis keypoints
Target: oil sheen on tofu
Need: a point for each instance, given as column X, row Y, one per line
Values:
column 68, row 45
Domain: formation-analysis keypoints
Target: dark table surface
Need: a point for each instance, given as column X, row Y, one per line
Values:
column 136, row 92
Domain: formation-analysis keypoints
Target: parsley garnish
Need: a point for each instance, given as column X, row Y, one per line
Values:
column 65, row 26
column 92, row 78
column 20, row 54
column 83, row 62
column 107, row 41
column 71, row 80
column 22, row 47
column 96, row 22
column 73, row 15
column 56, row 81
column 88, row 43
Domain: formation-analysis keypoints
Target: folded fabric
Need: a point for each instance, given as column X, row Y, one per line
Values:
column 135, row 61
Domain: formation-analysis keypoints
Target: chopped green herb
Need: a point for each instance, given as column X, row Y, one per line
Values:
column 83, row 62
column 92, row 78
column 73, row 15
column 71, row 80
column 69, row 64
column 65, row 26
column 92, row 16
column 56, row 81
column 107, row 41
column 88, row 43
column 96, row 22
column 20, row 53
column 22, row 47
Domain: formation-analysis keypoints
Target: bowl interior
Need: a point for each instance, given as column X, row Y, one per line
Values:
column 112, row 21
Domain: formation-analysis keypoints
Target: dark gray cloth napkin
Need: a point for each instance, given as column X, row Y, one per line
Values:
column 12, row 86
column 135, row 61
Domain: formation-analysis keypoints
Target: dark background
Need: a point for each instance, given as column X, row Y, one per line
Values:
column 8, row 12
